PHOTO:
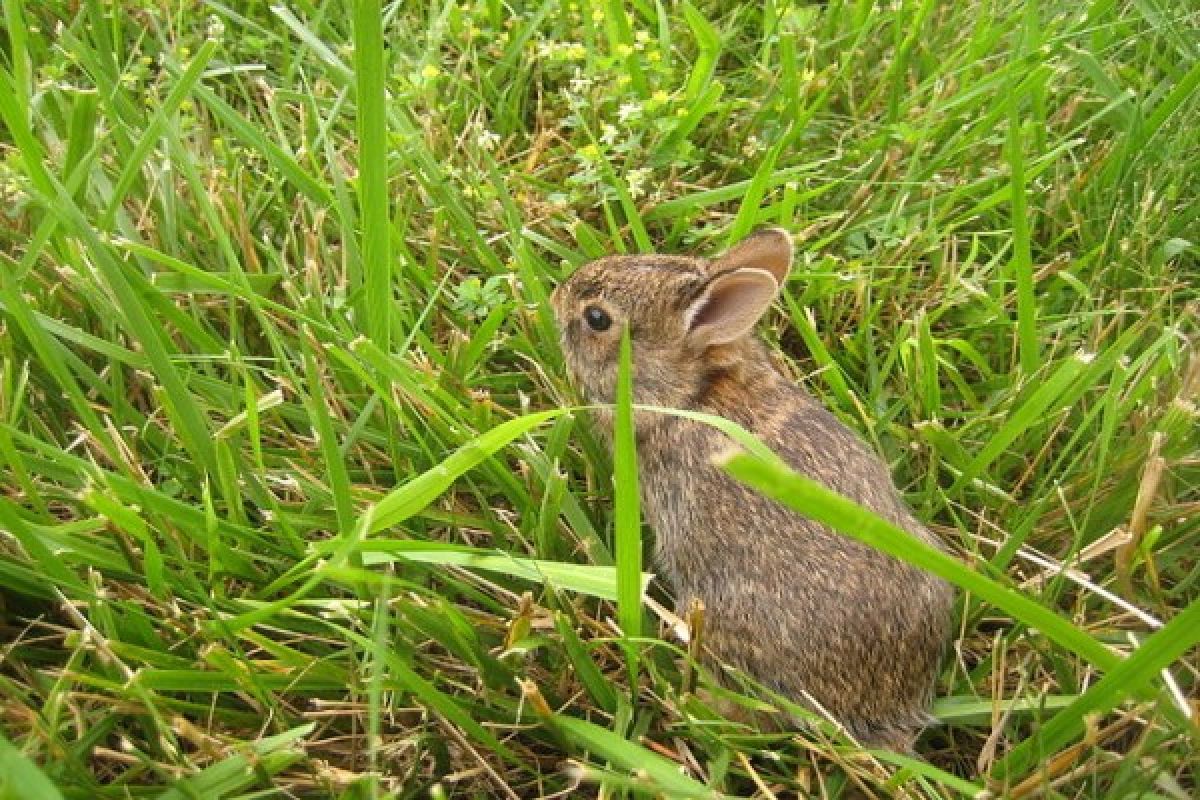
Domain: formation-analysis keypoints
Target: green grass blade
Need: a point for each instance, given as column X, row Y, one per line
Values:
column 17, row 35
column 374, row 203
column 589, row 674
column 708, row 47
column 20, row 778
column 660, row 776
column 627, row 516
column 1022, row 262
column 588, row 579
column 749, row 211
column 620, row 34
column 970, row 710
column 321, row 416
column 400, row 504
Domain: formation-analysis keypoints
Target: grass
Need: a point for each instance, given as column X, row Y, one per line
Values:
column 293, row 500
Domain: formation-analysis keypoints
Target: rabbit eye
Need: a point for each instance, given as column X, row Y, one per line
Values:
column 597, row 318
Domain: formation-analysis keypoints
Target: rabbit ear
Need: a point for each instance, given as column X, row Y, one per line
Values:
column 729, row 307
column 769, row 249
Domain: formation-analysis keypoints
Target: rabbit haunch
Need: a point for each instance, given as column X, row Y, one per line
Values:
column 812, row 614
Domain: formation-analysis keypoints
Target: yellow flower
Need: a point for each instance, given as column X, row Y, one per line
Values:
column 654, row 56
column 660, row 97
column 624, row 50
column 590, row 151
column 429, row 72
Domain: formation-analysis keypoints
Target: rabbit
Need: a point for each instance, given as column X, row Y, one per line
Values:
column 818, row 617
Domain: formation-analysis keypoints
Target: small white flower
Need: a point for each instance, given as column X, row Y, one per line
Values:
column 635, row 180
column 487, row 140
column 628, row 111
column 752, row 146
column 579, row 84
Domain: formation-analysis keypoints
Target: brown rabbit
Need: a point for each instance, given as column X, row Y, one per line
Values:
column 803, row 609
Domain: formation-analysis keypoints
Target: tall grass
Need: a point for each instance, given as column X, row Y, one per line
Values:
column 295, row 496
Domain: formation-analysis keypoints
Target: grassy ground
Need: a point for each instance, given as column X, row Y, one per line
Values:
column 258, row 285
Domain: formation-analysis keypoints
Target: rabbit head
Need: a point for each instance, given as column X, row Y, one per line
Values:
column 685, row 316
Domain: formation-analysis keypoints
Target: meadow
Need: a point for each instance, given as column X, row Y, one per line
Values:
column 294, row 498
